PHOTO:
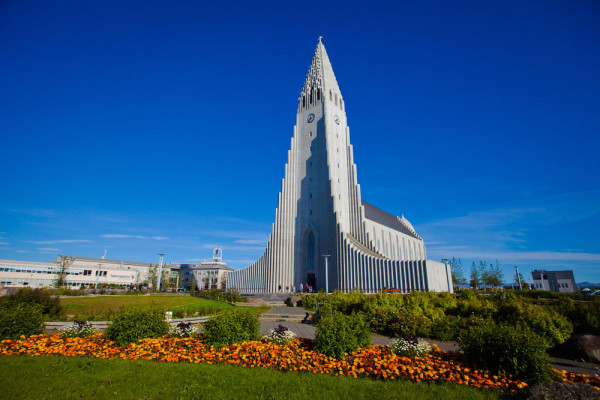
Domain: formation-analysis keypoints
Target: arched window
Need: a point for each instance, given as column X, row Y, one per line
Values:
column 311, row 252
column 303, row 101
column 318, row 94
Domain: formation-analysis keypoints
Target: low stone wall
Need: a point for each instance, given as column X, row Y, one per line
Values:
column 54, row 327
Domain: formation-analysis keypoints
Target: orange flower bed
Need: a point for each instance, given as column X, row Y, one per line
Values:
column 373, row 362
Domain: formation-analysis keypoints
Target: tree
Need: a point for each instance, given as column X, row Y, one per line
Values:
column 63, row 270
column 153, row 275
column 496, row 276
column 166, row 280
column 474, row 281
column 192, row 284
column 456, row 266
column 223, row 282
column 484, row 274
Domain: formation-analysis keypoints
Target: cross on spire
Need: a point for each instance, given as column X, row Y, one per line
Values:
column 320, row 37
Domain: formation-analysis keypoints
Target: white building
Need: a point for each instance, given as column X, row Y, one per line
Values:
column 324, row 235
column 554, row 281
column 206, row 274
column 80, row 273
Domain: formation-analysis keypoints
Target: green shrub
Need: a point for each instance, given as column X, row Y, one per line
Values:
column 230, row 295
column 409, row 323
column 338, row 335
column 507, row 349
column 23, row 319
column 548, row 324
column 68, row 292
column 232, row 327
column 50, row 304
column 448, row 328
column 132, row 325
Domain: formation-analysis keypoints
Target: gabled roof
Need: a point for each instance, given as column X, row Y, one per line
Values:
column 386, row 219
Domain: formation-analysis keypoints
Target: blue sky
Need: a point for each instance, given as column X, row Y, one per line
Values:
column 147, row 127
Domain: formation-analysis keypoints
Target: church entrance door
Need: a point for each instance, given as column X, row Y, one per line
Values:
column 311, row 281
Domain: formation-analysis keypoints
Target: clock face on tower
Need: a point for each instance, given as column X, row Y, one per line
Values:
column 311, row 118
column 336, row 119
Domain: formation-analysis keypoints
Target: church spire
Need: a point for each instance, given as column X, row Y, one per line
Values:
column 320, row 79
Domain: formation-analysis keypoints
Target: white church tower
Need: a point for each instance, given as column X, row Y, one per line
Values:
column 320, row 213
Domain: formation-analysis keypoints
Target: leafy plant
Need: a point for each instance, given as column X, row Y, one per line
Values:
column 78, row 329
column 133, row 325
column 409, row 346
column 280, row 335
column 23, row 319
column 337, row 335
column 231, row 327
column 183, row 329
column 50, row 305
column 507, row 349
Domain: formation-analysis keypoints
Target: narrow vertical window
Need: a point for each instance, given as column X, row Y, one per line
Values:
column 311, row 251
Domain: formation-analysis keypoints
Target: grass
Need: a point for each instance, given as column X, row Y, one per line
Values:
column 106, row 306
column 66, row 378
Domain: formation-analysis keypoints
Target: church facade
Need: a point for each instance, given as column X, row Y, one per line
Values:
column 324, row 235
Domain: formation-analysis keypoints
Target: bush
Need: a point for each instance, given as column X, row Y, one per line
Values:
column 68, row 292
column 448, row 328
column 506, row 349
column 548, row 324
column 50, row 304
column 409, row 323
column 24, row 319
column 132, row 325
column 280, row 335
column 183, row 329
column 78, row 329
column 338, row 335
column 230, row 295
column 409, row 346
column 231, row 327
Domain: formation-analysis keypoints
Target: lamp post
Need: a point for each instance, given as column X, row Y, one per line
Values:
column 160, row 262
column 98, row 275
column 326, row 257
column 518, row 277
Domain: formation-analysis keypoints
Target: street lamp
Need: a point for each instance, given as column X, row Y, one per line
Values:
column 160, row 262
column 326, row 256
column 518, row 277
column 98, row 275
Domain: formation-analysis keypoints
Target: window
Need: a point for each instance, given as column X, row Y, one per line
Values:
column 310, row 212
column 310, row 195
column 311, row 252
column 310, row 133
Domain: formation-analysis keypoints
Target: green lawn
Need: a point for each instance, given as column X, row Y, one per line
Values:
column 77, row 378
column 105, row 306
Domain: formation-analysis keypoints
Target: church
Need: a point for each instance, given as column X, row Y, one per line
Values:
column 324, row 235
